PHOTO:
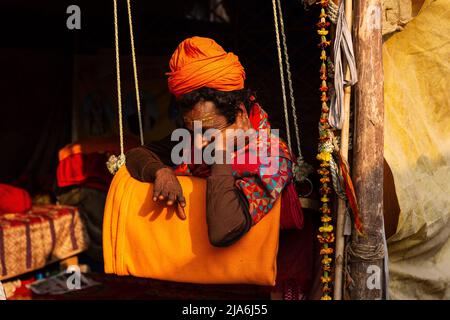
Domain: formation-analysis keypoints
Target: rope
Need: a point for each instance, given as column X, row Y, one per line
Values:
column 356, row 252
column 349, row 283
column 335, row 178
column 288, row 72
column 280, row 64
column 301, row 168
column 365, row 252
column 362, row 252
column 119, row 93
column 136, row 83
column 332, row 146
column 332, row 11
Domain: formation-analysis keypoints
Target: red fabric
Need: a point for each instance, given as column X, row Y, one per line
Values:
column 295, row 260
column 291, row 211
column 84, row 169
column 13, row 199
column 351, row 194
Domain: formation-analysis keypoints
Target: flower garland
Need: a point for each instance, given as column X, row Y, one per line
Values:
column 325, row 150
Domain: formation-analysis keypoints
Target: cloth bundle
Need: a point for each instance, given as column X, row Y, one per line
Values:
column 13, row 199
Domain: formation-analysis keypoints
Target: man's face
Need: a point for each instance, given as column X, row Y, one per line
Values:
column 207, row 113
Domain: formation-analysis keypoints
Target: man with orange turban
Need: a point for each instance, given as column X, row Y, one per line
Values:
column 208, row 84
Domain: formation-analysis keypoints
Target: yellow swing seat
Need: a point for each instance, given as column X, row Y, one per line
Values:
column 145, row 239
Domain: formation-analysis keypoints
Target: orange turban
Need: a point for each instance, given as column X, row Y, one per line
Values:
column 201, row 62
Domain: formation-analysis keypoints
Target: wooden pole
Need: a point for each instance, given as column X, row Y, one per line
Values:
column 340, row 239
column 367, row 252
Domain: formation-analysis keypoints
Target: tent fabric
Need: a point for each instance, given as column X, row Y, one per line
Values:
column 397, row 13
column 417, row 148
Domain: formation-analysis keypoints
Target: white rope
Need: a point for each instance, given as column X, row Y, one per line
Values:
column 288, row 72
column 136, row 83
column 280, row 63
column 119, row 93
column 301, row 168
column 114, row 163
column 332, row 10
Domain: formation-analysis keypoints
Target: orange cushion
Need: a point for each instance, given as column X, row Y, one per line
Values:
column 145, row 239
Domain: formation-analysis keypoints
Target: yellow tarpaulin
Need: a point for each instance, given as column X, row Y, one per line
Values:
column 417, row 148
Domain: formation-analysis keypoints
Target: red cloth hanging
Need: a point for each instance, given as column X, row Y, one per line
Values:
column 291, row 210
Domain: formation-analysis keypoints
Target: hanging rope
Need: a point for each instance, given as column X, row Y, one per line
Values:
column 301, row 168
column 280, row 64
column 289, row 78
column 119, row 92
column 336, row 180
column 136, row 82
column 114, row 163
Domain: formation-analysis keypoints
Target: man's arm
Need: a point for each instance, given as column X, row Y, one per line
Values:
column 143, row 162
column 227, row 213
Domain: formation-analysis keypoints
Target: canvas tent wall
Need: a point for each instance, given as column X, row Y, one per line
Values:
column 417, row 148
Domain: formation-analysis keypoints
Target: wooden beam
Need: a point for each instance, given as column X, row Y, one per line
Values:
column 367, row 252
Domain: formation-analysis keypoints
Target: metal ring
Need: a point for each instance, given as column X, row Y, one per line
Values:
column 310, row 192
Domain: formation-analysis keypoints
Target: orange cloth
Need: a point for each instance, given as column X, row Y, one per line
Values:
column 145, row 239
column 201, row 62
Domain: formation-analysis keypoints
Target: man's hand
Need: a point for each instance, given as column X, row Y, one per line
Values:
column 228, row 135
column 167, row 188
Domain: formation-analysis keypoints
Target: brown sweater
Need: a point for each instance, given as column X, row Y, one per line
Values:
column 227, row 211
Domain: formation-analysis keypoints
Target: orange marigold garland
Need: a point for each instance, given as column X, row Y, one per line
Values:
column 325, row 150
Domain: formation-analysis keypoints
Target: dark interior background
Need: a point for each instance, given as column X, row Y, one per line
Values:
column 37, row 66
